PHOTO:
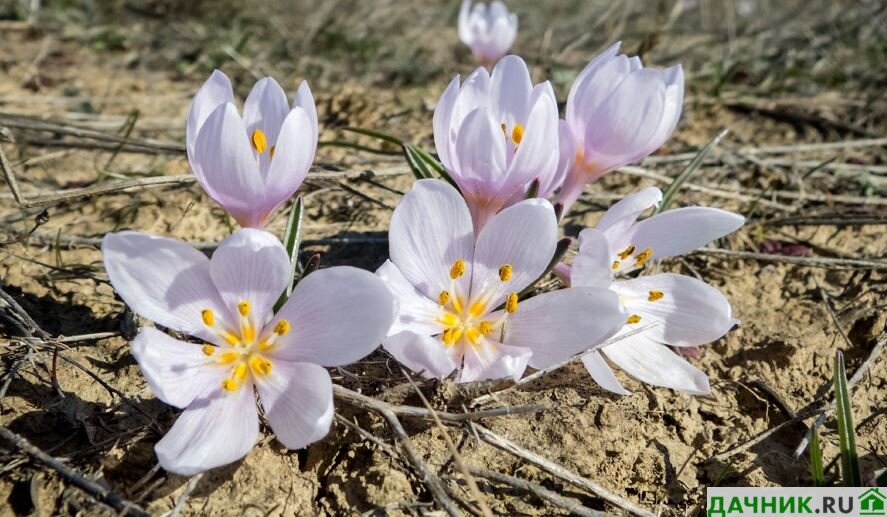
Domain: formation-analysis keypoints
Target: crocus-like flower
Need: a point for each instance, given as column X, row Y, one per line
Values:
column 495, row 134
column 251, row 166
column 458, row 298
column 683, row 311
column 335, row 316
column 489, row 30
column 617, row 112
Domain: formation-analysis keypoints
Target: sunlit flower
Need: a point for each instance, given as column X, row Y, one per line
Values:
column 683, row 311
column 251, row 166
column 495, row 134
column 335, row 316
column 489, row 30
column 617, row 113
column 459, row 298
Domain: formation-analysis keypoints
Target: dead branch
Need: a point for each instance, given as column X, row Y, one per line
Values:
column 571, row 505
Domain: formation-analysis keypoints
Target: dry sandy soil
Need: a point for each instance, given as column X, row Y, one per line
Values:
column 784, row 79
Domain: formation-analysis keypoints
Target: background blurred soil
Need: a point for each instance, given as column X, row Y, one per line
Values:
column 773, row 73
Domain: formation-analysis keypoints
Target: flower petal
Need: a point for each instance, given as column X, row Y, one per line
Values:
column 251, row 265
column 298, row 402
column 162, row 279
column 689, row 312
column 265, row 108
column 422, row 354
column 444, row 136
column 592, row 267
column 622, row 215
column 600, row 77
column 430, row 229
column 474, row 94
column 494, row 360
column 655, row 364
column 537, row 155
column 682, row 230
column 480, row 155
column 413, row 311
column 177, row 371
column 523, row 236
column 305, row 100
column 218, row 428
column 215, row 91
column 602, row 374
column 559, row 324
column 292, row 159
column 510, row 91
column 338, row 316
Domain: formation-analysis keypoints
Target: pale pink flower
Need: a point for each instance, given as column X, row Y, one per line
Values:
column 495, row 134
column 458, row 297
column 251, row 166
column 683, row 311
column 335, row 316
column 617, row 113
column 489, row 30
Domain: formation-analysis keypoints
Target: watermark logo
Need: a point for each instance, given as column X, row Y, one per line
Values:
column 787, row 501
column 871, row 503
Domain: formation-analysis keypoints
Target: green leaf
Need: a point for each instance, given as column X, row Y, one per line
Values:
column 432, row 162
column 417, row 165
column 375, row 134
column 688, row 171
column 291, row 238
column 816, row 468
column 846, row 431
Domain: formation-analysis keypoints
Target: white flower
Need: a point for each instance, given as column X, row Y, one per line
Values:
column 489, row 30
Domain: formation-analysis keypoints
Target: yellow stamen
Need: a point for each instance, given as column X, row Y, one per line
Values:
column 208, row 350
column 505, row 272
column 271, row 151
column 458, row 269
column 476, row 309
column 624, row 254
column 451, row 335
column 228, row 357
column 282, row 327
column 243, row 308
column 232, row 339
column 260, row 143
column 230, row 385
column 517, row 134
column 266, row 344
column 655, row 295
column 485, row 327
column 472, row 335
column 209, row 319
column 643, row 256
column 634, row 318
column 247, row 331
column 449, row 319
column 240, row 372
column 511, row 303
column 457, row 305
column 260, row 365
column 616, row 264
column 443, row 298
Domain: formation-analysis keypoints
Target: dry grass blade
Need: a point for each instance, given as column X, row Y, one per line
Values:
column 570, row 505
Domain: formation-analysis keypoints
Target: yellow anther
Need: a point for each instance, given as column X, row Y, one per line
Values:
column 485, row 327
column 282, row 327
column 449, row 319
column 243, row 308
column 655, row 295
column 517, row 134
column 643, row 256
column 457, row 305
column 271, row 151
column 443, row 298
column 505, row 272
column 260, row 365
column 248, row 332
column 473, row 335
column 476, row 309
column 458, row 269
column 266, row 344
column 228, row 357
column 208, row 350
column 209, row 319
column 451, row 335
column 260, row 143
column 511, row 303
column 616, row 264
column 624, row 254
column 232, row 339
column 634, row 318
column 230, row 385
column 240, row 372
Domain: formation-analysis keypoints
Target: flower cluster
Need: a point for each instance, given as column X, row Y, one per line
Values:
column 457, row 294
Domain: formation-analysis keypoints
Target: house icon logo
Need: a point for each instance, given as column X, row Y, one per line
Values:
column 871, row 503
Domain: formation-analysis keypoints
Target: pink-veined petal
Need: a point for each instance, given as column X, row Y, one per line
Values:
column 265, row 108
column 537, row 155
column 474, row 94
column 430, row 229
column 682, row 230
column 164, row 280
column 422, row 354
column 292, row 159
column 298, row 402
column 337, row 316
column 622, row 215
column 650, row 362
column 492, row 360
column 579, row 100
column 305, row 100
column 480, row 155
column 593, row 266
column 215, row 91
column 413, row 311
column 444, row 137
column 602, row 374
column 560, row 324
column 218, row 428
column 510, row 91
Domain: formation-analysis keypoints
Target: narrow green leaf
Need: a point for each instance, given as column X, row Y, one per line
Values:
column 846, row 431
column 375, row 134
column 688, row 171
column 291, row 239
column 432, row 162
column 420, row 171
column 352, row 145
column 816, row 468
column 533, row 191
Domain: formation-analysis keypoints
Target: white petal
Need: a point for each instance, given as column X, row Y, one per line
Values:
column 622, row 215
column 655, row 364
column 422, row 354
column 298, row 402
column 293, row 155
column 265, row 108
column 602, row 374
column 337, row 315
column 510, row 91
column 560, row 324
column 465, row 33
column 480, row 156
column 162, row 279
column 592, row 267
column 595, row 83
column 215, row 91
column 218, row 428
column 537, row 155
column 682, row 230
column 413, row 311
column 250, row 265
column 444, row 137
column 523, row 236
column 690, row 312
column 305, row 100
column 494, row 360
column 177, row 371
column 430, row 229
column 474, row 94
